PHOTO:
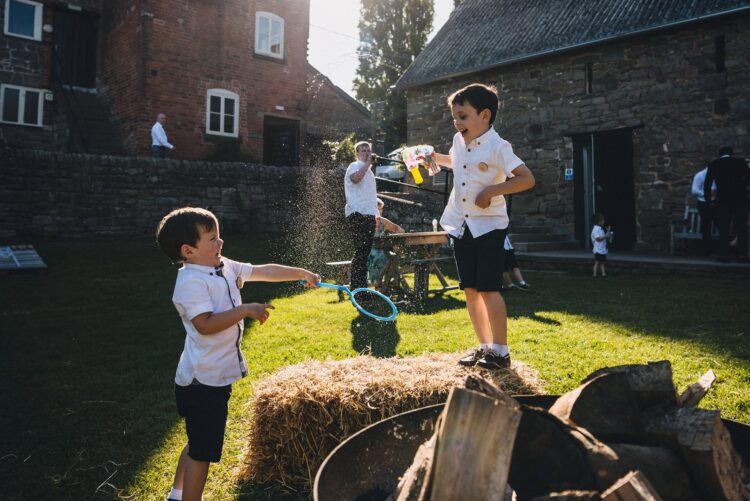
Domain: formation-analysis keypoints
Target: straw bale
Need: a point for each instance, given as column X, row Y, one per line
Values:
column 301, row 413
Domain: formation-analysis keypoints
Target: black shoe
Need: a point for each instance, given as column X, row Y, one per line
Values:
column 493, row 361
column 523, row 287
column 472, row 358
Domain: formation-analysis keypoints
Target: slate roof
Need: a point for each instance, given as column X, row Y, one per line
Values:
column 482, row 34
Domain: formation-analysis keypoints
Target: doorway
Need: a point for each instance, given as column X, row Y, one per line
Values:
column 280, row 141
column 74, row 50
column 604, row 182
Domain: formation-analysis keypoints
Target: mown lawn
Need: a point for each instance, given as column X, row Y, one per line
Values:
column 89, row 349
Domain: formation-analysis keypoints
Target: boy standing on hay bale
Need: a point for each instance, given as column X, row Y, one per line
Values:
column 476, row 217
column 207, row 298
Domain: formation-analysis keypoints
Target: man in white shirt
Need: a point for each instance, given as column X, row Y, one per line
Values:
column 361, row 208
column 706, row 211
column 159, row 142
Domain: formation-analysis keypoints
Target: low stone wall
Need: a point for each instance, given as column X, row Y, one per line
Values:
column 75, row 196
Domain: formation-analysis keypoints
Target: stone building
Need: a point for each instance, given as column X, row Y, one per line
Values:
column 613, row 104
column 231, row 75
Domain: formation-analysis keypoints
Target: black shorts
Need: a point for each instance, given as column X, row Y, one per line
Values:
column 205, row 410
column 510, row 260
column 600, row 257
column 479, row 261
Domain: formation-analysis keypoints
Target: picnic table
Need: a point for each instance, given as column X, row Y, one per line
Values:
column 417, row 252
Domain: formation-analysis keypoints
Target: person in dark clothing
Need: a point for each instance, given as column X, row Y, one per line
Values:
column 732, row 176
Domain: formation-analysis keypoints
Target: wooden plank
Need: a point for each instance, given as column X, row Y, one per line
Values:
column 632, row 487
column 696, row 391
column 474, row 447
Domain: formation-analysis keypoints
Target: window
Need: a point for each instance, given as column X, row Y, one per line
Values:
column 23, row 18
column 720, row 54
column 589, row 78
column 222, row 113
column 269, row 35
column 21, row 105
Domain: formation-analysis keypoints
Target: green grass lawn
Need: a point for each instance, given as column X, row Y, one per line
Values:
column 90, row 346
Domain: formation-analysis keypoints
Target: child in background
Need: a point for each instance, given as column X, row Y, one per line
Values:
column 207, row 298
column 476, row 217
column 377, row 259
column 511, row 266
column 599, row 236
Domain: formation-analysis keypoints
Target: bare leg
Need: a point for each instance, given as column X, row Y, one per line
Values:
column 179, row 476
column 517, row 274
column 195, row 479
column 604, row 273
column 498, row 316
column 506, row 279
column 596, row 265
column 478, row 315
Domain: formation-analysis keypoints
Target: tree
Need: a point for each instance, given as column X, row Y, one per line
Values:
column 392, row 33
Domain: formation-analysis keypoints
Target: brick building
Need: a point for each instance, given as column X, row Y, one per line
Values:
column 231, row 75
column 613, row 104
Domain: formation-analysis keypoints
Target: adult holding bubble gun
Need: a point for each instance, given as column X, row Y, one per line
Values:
column 414, row 156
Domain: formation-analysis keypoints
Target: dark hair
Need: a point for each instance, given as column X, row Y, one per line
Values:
column 598, row 216
column 479, row 96
column 180, row 227
column 725, row 150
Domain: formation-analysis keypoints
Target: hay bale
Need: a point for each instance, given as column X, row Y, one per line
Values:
column 301, row 413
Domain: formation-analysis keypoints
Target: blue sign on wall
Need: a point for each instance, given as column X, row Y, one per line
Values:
column 568, row 173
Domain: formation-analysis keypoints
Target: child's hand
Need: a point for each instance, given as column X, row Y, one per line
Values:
column 311, row 279
column 483, row 199
column 258, row 311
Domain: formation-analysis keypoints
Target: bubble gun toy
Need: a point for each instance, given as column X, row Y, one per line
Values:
column 414, row 156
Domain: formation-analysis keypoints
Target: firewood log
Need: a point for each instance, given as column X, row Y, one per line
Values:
column 474, row 447
column 704, row 443
column 652, row 383
column 664, row 467
column 550, row 455
column 634, row 486
column 415, row 480
column 605, row 405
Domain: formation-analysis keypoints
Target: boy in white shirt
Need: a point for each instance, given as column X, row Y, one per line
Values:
column 476, row 217
column 207, row 298
column 599, row 237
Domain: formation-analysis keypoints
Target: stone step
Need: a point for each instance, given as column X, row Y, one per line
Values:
column 537, row 237
column 517, row 229
column 545, row 246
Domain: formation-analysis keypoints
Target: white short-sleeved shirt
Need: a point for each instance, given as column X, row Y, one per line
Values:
column 485, row 161
column 214, row 359
column 598, row 247
column 362, row 196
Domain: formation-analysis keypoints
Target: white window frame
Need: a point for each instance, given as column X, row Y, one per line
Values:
column 223, row 94
column 22, row 105
column 271, row 19
column 37, row 20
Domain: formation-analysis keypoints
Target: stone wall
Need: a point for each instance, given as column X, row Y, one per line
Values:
column 665, row 83
column 73, row 196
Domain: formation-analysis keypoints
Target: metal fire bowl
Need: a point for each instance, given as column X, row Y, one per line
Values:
column 367, row 465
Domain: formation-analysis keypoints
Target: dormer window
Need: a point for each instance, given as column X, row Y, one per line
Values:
column 23, row 18
column 269, row 35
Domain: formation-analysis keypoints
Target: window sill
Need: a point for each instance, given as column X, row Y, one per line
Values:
column 272, row 59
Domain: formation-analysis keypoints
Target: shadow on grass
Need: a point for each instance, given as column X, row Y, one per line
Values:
column 374, row 337
column 90, row 348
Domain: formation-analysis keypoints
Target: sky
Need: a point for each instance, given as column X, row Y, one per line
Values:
column 334, row 37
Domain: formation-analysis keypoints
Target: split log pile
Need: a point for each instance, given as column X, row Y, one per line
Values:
column 624, row 434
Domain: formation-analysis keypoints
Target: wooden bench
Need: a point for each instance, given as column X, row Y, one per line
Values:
column 689, row 228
